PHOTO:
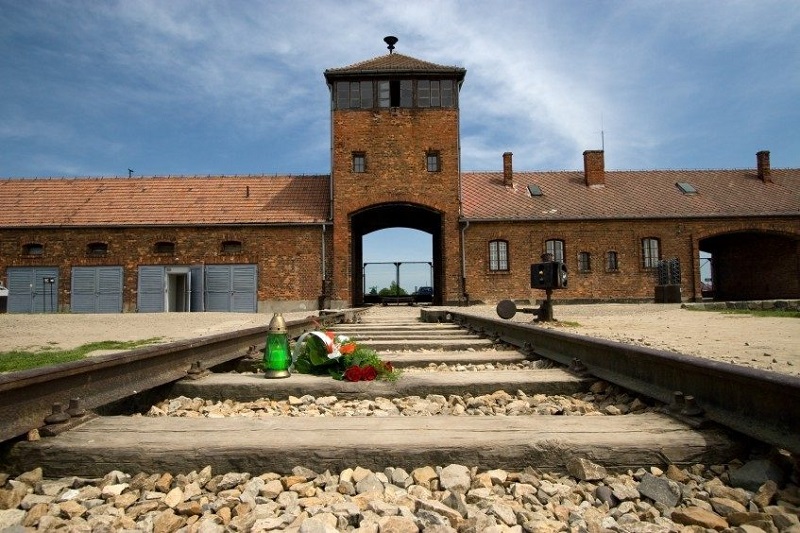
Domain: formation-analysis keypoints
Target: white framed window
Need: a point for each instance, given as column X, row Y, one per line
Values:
column 498, row 255
column 650, row 252
column 555, row 247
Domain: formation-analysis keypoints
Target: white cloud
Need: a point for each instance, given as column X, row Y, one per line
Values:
column 667, row 81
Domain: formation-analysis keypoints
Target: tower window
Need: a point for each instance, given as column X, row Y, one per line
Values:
column 435, row 93
column 359, row 162
column 433, row 162
column 428, row 94
column 447, row 93
column 395, row 93
column 354, row 95
column 342, row 94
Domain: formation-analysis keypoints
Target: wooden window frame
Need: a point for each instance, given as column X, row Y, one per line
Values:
column 498, row 255
column 559, row 252
column 433, row 161
column 359, row 163
column 609, row 266
column 584, row 262
column 651, row 252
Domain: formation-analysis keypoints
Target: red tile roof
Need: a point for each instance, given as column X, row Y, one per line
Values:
column 630, row 194
column 164, row 201
column 393, row 64
column 215, row 200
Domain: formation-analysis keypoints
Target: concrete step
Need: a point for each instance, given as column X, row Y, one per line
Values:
column 250, row 387
column 443, row 344
column 365, row 336
column 404, row 359
column 421, row 326
column 278, row 444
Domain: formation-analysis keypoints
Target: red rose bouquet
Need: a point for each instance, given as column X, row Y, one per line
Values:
column 323, row 353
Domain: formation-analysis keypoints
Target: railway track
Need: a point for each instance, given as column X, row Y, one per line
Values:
column 29, row 397
column 480, row 356
column 757, row 404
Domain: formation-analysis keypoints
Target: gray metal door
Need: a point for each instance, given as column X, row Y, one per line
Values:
column 231, row 288
column 30, row 289
column 198, row 288
column 151, row 288
column 244, row 286
column 96, row 290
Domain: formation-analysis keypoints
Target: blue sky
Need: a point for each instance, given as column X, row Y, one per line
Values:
column 93, row 88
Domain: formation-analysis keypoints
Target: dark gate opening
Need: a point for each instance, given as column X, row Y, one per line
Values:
column 400, row 215
column 754, row 265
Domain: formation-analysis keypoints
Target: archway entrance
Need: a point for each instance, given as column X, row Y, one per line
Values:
column 395, row 215
column 753, row 265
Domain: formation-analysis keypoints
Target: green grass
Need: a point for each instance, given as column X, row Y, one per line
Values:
column 777, row 313
column 17, row 360
column 773, row 313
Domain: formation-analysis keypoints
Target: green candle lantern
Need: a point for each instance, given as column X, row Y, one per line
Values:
column 277, row 357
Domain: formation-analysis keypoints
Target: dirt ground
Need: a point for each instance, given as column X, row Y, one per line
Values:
column 758, row 342
column 766, row 343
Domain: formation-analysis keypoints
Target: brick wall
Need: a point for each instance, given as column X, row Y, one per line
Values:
column 753, row 258
column 754, row 240
column 288, row 257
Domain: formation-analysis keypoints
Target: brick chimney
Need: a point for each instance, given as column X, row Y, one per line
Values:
column 762, row 164
column 508, row 173
column 594, row 168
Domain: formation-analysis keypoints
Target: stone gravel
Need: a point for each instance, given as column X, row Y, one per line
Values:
column 603, row 399
column 760, row 495
column 430, row 499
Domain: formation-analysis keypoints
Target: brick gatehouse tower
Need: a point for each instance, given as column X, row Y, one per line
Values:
column 395, row 163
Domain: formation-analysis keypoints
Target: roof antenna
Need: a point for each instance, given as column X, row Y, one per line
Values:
column 130, row 172
column 602, row 134
column 391, row 40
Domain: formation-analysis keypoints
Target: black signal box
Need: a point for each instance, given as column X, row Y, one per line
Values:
column 549, row 275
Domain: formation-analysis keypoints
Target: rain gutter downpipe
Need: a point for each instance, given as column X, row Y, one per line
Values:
column 464, row 294
column 464, row 262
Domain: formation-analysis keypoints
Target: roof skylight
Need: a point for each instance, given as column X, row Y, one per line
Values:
column 535, row 190
column 686, row 188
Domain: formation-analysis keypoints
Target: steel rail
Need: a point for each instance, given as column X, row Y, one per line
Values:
column 27, row 397
column 761, row 404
